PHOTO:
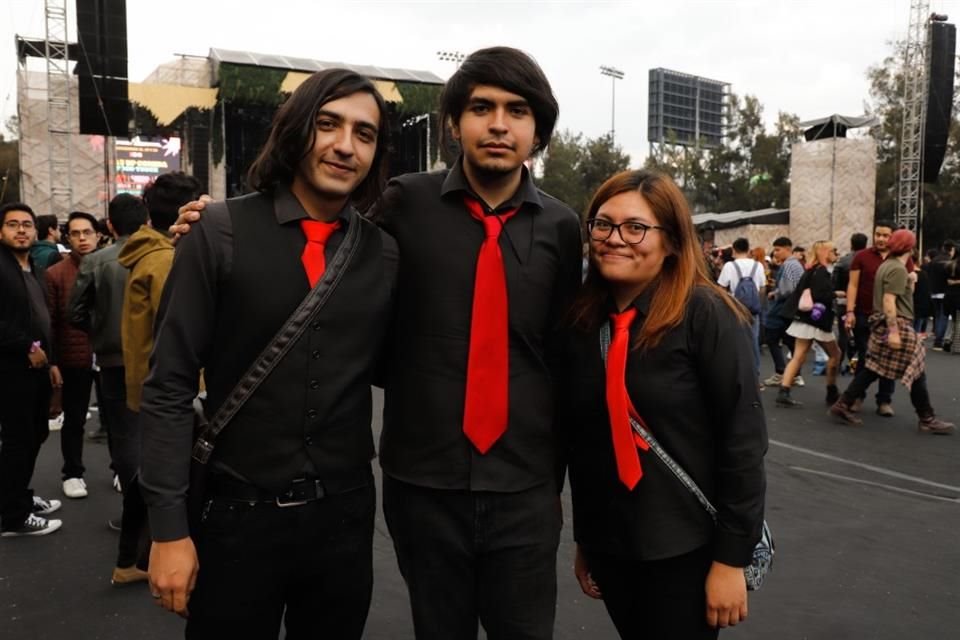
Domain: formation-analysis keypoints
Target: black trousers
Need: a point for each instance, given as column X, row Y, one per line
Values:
column 657, row 600
column 133, row 547
column 774, row 337
column 310, row 566
column 861, row 338
column 476, row 556
column 121, row 423
column 919, row 395
column 24, row 407
column 77, row 384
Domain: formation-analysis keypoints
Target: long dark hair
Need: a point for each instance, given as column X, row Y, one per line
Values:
column 509, row 69
column 683, row 268
column 294, row 131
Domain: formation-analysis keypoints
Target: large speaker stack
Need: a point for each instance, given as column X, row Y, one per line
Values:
column 102, row 67
column 943, row 44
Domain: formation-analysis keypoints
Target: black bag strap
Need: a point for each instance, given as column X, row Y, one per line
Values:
column 644, row 433
column 282, row 341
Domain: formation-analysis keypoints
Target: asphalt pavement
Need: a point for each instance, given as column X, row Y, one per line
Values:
column 865, row 519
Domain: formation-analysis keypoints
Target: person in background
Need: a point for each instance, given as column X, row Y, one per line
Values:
column 894, row 352
column 789, row 273
column 25, row 392
column 841, row 279
column 922, row 306
column 45, row 252
column 680, row 362
column 938, row 291
column 733, row 273
column 814, row 324
column 71, row 356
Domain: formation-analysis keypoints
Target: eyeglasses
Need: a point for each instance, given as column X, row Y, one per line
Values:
column 631, row 231
column 13, row 225
column 82, row 233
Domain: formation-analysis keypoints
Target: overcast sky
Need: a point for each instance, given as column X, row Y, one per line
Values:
column 805, row 57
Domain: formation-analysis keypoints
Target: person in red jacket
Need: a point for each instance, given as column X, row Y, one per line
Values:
column 71, row 356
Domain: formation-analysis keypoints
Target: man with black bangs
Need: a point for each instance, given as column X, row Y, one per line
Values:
column 468, row 450
column 286, row 530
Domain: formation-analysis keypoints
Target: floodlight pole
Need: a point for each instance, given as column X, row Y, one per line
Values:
column 615, row 74
column 451, row 56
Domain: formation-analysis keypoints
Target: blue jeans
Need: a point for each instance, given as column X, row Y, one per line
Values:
column 755, row 329
column 940, row 320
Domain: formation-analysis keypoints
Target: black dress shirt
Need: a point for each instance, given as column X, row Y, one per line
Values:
column 235, row 280
column 698, row 394
column 422, row 441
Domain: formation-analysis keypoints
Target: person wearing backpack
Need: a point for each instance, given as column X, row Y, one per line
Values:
column 744, row 277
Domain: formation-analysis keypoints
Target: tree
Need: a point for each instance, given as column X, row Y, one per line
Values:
column 574, row 168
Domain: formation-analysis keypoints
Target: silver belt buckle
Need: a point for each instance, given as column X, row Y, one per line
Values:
column 287, row 500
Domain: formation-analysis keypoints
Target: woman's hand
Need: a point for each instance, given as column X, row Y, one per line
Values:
column 726, row 595
column 582, row 572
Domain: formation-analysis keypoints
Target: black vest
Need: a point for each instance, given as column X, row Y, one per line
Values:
column 314, row 410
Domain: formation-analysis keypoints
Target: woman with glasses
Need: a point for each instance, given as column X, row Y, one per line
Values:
column 678, row 360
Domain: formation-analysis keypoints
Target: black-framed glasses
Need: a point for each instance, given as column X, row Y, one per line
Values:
column 631, row 231
column 14, row 224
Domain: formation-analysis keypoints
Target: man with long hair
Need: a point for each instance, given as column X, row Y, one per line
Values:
column 469, row 453
column 286, row 529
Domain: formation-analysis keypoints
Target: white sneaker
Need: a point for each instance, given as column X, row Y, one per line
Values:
column 55, row 424
column 798, row 382
column 75, row 488
column 116, row 484
column 34, row 526
column 773, row 380
column 43, row 507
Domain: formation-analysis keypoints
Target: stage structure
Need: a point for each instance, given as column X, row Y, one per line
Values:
column 213, row 112
column 833, row 181
column 686, row 110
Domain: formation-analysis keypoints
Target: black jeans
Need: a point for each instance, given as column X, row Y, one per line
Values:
column 122, row 437
column 77, row 384
column 134, row 545
column 919, row 396
column 861, row 337
column 470, row 556
column 310, row 566
column 774, row 336
column 660, row 599
column 24, row 408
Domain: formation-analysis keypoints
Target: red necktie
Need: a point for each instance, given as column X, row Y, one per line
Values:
column 618, row 402
column 312, row 257
column 488, row 366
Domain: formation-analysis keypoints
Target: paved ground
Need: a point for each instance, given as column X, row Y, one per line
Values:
column 865, row 520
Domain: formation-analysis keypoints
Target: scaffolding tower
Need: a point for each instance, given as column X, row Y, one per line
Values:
column 59, row 108
column 915, row 71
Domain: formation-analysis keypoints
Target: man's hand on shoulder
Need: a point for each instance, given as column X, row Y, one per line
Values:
column 188, row 215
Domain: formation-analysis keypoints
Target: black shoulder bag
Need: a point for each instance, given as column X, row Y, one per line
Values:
column 762, row 561
column 205, row 431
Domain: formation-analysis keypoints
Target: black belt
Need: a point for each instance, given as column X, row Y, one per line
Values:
column 298, row 492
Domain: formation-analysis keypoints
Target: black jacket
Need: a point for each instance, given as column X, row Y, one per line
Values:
column 16, row 312
column 697, row 393
column 820, row 283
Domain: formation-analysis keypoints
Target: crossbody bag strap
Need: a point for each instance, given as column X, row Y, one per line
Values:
column 281, row 342
column 644, row 433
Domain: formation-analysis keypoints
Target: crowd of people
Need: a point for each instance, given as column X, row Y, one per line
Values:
column 507, row 367
column 868, row 316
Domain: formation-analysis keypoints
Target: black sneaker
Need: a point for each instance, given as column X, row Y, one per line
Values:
column 33, row 526
column 784, row 400
column 43, row 507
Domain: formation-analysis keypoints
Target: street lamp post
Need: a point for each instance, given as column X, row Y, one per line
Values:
column 451, row 56
column 615, row 74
